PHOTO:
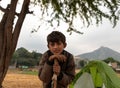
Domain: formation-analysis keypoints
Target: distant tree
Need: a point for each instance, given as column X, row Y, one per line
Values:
column 26, row 62
column 66, row 10
column 15, row 55
column 22, row 52
column 36, row 55
column 14, row 58
column 109, row 59
column 22, row 57
column 82, row 63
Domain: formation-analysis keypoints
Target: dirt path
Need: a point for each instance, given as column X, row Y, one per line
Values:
column 14, row 80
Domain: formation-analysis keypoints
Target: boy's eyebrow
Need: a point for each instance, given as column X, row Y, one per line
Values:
column 56, row 42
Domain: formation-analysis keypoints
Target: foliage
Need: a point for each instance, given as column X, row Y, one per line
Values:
column 23, row 57
column 22, row 52
column 82, row 63
column 110, row 59
column 88, row 11
column 101, row 74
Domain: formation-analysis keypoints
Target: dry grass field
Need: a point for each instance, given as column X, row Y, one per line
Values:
column 16, row 80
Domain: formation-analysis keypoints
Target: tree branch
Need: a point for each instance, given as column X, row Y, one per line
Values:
column 19, row 23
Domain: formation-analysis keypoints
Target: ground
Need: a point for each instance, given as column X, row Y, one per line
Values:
column 17, row 80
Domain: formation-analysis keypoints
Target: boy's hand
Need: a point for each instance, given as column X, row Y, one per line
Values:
column 56, row 69
column 60, row 58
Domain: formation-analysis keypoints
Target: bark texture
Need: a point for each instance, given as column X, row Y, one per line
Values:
column 9, row 34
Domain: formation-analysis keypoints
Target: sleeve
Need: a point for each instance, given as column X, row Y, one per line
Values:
column 66, row 77
column 45, row 70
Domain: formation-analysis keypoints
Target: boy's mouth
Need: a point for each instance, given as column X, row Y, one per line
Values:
column 56, row 52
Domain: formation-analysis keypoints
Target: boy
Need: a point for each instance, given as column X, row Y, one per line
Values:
column 65, row 69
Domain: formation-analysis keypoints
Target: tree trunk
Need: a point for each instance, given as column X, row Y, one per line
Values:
column 9, row 35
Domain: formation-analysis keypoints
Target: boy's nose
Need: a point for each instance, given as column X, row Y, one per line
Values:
column 55, row 46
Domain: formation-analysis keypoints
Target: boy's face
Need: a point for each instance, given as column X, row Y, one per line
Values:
column 56, row 47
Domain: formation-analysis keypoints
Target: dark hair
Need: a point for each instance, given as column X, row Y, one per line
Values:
column 56, row 36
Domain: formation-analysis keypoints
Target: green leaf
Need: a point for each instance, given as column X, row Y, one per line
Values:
column 93, row 72
column 101, row 74
column 98, row 80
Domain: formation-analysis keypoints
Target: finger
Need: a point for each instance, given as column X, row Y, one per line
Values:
column 63, row 58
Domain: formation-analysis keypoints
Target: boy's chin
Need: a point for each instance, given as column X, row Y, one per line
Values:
column 56, row 53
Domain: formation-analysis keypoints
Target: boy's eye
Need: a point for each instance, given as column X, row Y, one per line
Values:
column 59, row 43
column 52, row 44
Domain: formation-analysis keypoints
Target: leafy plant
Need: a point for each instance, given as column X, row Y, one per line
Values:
column 101, row 75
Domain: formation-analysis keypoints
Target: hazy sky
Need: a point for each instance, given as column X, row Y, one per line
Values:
column 93, row 37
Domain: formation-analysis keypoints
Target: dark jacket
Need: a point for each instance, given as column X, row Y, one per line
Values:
column 67, row 73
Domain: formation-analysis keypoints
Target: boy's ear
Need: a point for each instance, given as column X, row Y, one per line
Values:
column 65, row 45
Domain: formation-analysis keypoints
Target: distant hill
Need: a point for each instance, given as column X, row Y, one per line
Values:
column 101, row 53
